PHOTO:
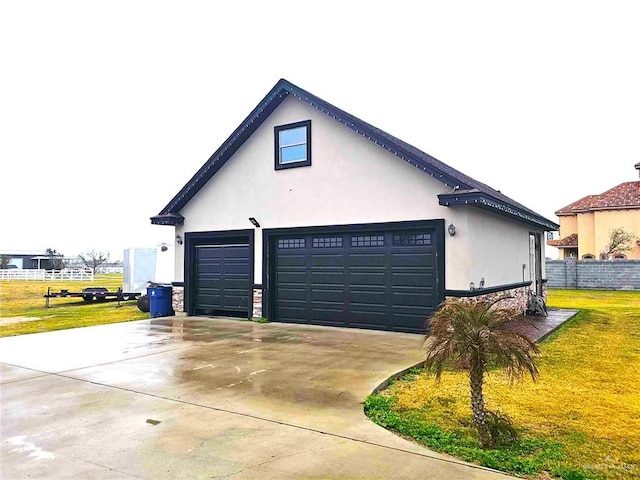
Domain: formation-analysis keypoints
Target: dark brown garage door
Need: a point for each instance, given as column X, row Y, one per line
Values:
column 381, row 280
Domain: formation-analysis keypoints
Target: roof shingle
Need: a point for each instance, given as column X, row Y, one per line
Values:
column 625, row 195
column 567, row 242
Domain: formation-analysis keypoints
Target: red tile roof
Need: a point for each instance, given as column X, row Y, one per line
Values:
column 567, row 242
column 625, row 195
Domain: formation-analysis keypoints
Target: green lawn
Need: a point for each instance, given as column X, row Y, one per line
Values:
column 25, row 299
column 580, row 420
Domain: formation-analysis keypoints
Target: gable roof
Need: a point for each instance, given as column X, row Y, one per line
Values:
column 464, row 189
column 623, row 196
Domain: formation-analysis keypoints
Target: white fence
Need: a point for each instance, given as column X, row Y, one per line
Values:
column 70, row 274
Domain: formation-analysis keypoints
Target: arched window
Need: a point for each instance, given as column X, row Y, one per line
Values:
column 619, row 256
column 588, row 256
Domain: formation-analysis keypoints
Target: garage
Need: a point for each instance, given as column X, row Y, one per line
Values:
column 221, row 268
column 372, row 277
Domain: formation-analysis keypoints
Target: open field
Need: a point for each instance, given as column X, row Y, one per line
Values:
column 580, row 420
column 25, row 299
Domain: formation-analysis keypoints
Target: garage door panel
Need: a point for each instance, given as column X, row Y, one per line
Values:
column 409, row 322
column 292, row 278
column 289, row 260
column 285, row 293
column 412, row 279
column 412, row 299
column 236, row 269
column 328, row 295
column 210, row 268
column 358, row 279
column 368, row 296
column 292, row 313
column 327, row 314
column 238, row 283
column 333, row 260
column 326, row 278
column 367, row 319
column 367, row 260
column 208, row 299
column 401, row 259
column 382, row 280
column 208, row 253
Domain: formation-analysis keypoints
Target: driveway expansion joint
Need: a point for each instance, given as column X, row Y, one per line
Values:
column 278, row 422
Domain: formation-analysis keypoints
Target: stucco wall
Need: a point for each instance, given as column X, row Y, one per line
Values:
column 607, row 220
column 568, row 225
column 593, row 229
column 351, row 180
column 586, row 243
column 494, row 247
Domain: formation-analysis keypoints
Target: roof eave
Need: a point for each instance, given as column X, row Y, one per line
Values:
column 486, row 202
column 168, row 219
column 596, row 209
column 272, row 100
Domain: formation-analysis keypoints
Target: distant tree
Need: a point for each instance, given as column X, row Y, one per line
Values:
column 620, row 241
column 5, row 260
column 56, row 259
column 93, row 259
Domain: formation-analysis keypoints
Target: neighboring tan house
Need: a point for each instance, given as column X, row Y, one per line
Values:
column 585, row 225
column 307, row 214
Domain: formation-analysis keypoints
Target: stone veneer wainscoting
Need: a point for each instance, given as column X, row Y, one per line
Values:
column 257, row 303
column 518, row 300
column 177, row 300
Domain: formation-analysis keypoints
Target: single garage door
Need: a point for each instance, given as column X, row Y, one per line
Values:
column 222, row 280
column 381, row 280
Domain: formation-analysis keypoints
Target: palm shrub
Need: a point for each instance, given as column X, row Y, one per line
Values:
column 473, row 336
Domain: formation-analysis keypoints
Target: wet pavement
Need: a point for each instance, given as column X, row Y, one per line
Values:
column 192, row 397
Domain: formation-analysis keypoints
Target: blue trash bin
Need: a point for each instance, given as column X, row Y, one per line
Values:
column 160, row 301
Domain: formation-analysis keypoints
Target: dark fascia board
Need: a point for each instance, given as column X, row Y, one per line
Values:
column 484, row 291
column 241, row 134
column 259, row 114
column 168, row 219
column 422, row 161
column 487, row 202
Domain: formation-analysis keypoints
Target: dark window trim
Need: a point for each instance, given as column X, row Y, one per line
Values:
column 483, row 291
column 276, row 143
column 269, row 248
column 193, row 239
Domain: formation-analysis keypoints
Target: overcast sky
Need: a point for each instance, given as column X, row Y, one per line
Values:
column 108, row 108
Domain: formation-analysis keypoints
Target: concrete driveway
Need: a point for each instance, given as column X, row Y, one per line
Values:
column 206, row 398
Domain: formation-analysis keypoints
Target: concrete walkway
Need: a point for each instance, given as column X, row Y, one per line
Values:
column 206, row 398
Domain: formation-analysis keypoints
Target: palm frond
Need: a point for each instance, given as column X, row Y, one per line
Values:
column 464, row 333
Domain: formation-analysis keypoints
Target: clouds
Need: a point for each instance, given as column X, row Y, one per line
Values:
column 109, row 108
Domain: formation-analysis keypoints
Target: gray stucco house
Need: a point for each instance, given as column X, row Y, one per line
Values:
column 308, row 214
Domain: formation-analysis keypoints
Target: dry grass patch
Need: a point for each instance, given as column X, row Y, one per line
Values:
column 25, row 299
column 587, row 401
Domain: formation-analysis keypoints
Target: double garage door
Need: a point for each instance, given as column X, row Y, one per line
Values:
column 379, row 280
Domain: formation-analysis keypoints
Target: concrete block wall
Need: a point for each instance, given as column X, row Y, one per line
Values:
column 594, row 274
